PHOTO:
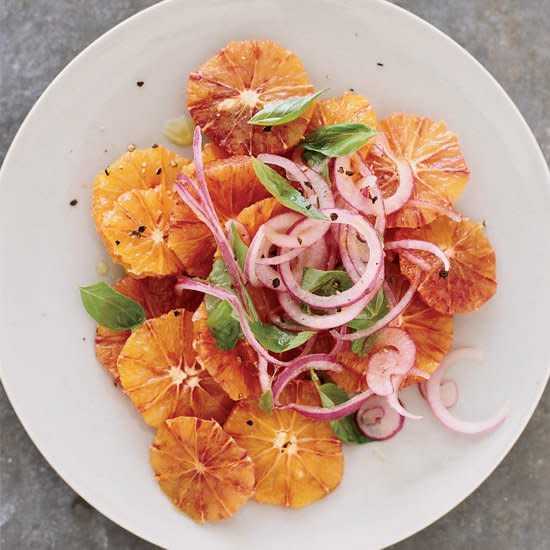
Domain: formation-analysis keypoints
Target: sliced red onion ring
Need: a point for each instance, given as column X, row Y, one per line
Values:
column 381, row 366
column 395, row 404
column 415, row 371
column 263, row 374
column 433, row 393
column 365, row 282
column 428, row 205
column 416, row 260
column 392, row 314
column 412, row 244
column 316, row 361
column 448, row 389
column 334, row 413
column 377, row 420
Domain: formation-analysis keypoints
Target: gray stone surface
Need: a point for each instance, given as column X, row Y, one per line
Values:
column 511, row 510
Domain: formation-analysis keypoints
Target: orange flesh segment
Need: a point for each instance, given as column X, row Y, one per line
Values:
column 349, row 107
column 471, row 280
column 241, row 79
column 201, row 469
column 160, row 373
column 297, row 460
column 440, row 171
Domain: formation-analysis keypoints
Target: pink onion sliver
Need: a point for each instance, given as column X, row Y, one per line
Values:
column 416, row 260
column 379, row 372
column 289, row 166
column 392, row 314
column 348, row 189
column 377, row 420
column 415, row 371
column 365, row 282
column 252, row 257
column 310, row 232
column 349, row 262
column 449, row 392
column 425, row 246
column 395, row 404
column 334, row 413
column 428, row 205
column 317, row 361
column 263, row 375
column 433, row 394
column 286, row 257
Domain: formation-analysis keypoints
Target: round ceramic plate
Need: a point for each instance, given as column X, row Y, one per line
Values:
column 90, row 432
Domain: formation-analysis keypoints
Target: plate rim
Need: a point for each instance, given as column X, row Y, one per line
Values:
column 426, row 27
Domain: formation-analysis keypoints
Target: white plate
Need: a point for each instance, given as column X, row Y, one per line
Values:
column 91, row 434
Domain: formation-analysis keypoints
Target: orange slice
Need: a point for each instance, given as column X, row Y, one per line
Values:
column 139, row 169
column 349, row 107
column 353, row 376
column 235, row 370
column 297, row 461
column 157, row 296
column 440, row 171
column 471, row 280
column 431, row 331
column 160, row 373
column 241, row 79
column 233, row 185
column 201, row 469
column 136, row 232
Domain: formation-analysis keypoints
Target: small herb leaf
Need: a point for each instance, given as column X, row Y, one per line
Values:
column 318, row 162
column 325, row 283
column 111, row 308
column 277, row 340
column 338, row 139
column 239, row 248
column 286, row 110
column 266, row 401
column 284, row 192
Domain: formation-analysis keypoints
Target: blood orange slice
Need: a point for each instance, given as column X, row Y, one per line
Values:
column 471, row 280
column 233, row 185
column 201, row 469
column 160, row 373
column 137, row 169
column 297, row 460
column 440, row 171
column 157, row 296
column 241, row 79
column 349, row 107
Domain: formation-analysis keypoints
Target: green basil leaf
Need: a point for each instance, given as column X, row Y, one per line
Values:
column 111, row 308
column 363, row 346
column 285, row 110
column 325, row 283
column 284, row 192
column 222, row 322
column 318, row 162
column 239, row 248
column 277, row 340
column 338, row 139
column 345, row 428
column 266, row 401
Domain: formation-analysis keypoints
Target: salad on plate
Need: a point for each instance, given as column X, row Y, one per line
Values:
column 285, row 284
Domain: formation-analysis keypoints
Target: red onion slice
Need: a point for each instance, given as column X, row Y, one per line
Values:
column 448, row 389
column 377, row 420
column 428, row 205
column 365, row 282
column 433, row 393
column 395, row 404
column 412, row 244
column 380, row 368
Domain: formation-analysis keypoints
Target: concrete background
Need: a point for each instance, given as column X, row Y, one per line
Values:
column 511, row 510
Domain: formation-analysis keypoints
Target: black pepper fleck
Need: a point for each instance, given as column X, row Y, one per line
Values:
column 159, row 171
column 250, row 422
column 373, row 199
column 276, row 282
column 380, row 64
column 74, row 202
column 106, row 172
column 141, row 228
column 349, row 172
column 267, row 128
column 299, row 240
column 140, row 83
column 117, row 242
column 341, row 170
column 155, row 145
column 352, row 89
column 308, row 184
column 308, row 206
column 177, row 313
column 135, row 233
column 443, row 274
column 334, row 216
column 338, row 309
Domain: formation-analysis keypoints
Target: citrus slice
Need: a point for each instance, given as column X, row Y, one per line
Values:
column 157, row 296
column 470, row 281
column 431, row 331
column 201, row 469
column 439, row 169
column 233, row 185
column 136, row 232
column 235, row 370
column 297, row 461
column 349, row 107
column 160, row 373
column 137, row 169
column 240, row 80
column 353, row 376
